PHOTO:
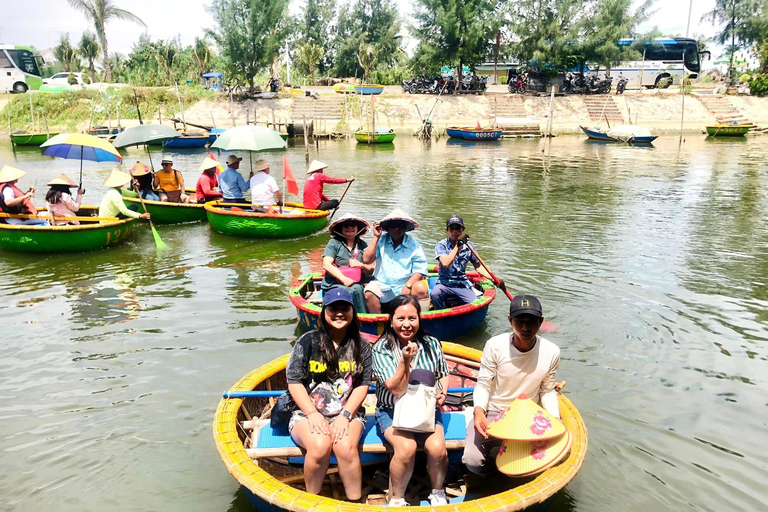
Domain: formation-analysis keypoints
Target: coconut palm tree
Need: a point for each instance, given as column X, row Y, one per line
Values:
column 99, row 12
column 202, row 53
column 311, row 53
column 89, row 50
column 366, row 56
column 165, row 53
column 65, row 53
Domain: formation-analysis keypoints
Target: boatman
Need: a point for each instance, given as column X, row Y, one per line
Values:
column 453, row 254
column 513, row 364
column 400, row 263
column 313, row 187
column 231, row 182
column 207, row 185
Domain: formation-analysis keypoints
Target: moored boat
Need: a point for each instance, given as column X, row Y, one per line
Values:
column 344, row 88
column 454, row 132
column 187, row 141
column 30, row 139
column 366, row 89
column 267, row 464
column 631, row 134
column 214, row 133
column 382, row 136
column 293, row 222
column 169, row 213
column 446, row 324
column 728, row 130
column 480, row 133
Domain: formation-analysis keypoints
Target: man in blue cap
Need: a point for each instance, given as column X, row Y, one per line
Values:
column 453, row 255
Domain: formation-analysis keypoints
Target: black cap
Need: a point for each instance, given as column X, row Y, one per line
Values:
column 454, row 219
column 525, row 305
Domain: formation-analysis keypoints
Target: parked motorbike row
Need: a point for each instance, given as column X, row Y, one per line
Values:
column 446, row 84
column 578, row 83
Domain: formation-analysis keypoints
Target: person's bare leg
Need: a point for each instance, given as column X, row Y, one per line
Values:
column 348, row 457
column 403, row 460
column 437, row 457
column 372, row 303
column 318, row 455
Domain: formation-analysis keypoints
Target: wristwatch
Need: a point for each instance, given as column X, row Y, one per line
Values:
column 346, row 414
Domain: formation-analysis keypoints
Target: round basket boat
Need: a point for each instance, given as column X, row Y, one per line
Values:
column 383, row 136
column 292, row 223
column 445, row 324
column 272, row 477
column 169, row 213
column 89, row 235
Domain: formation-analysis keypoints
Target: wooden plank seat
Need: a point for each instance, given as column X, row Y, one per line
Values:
column 278, row 443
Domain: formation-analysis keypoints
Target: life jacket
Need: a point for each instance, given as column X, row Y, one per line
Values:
column 25, row 207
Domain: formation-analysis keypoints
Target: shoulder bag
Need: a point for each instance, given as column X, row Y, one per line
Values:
column 415, row 410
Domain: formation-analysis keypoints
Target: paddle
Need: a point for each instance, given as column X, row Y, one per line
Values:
column 158, row 241
column 278, row 392
column 340, row 200
column 546, row 326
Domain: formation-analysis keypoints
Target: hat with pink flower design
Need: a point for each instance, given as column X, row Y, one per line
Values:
column 525, row 420
column 524, row 458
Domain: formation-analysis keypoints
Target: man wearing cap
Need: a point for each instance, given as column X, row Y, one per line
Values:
column 400, row 262
column 171, row 183
column 513, row 364
column 14, row 200
column 453, row 255
column 264, row 189
column 207, row 185
column 231, row 182
column 313, row 187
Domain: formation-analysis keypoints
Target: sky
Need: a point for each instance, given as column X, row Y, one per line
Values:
column 42, row 22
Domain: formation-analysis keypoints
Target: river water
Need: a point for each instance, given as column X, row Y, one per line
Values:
column 652, row 262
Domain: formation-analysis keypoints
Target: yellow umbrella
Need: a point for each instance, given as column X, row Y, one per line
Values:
column 79, row 146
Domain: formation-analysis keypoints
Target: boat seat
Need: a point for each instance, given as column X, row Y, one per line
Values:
column 454, row 424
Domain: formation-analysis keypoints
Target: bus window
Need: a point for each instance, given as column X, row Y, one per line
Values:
column 5, row 62
column 662, row 53
column 692, row 60
column 25, row 61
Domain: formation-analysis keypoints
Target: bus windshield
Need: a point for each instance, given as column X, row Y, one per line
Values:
column 25, row 61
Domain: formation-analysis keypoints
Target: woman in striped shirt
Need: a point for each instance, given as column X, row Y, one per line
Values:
column 405, row 346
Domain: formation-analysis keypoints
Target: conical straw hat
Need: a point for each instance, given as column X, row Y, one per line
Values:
column 62, row 179
column 315, row 166
column 208, row 163
column 9, row 173
column 524, row 420
column 522, row 458
column 117, row 178
column 140, row 169
column 399, row 214
column 350, row 217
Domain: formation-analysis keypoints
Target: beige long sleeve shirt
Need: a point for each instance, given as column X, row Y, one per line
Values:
column 506, row 373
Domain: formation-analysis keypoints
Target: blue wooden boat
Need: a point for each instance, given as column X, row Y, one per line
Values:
column 188, row 140
column 214, row 134
column 454, row 132
column 595, row 134
column 445, row 324
column 480, row 134
column 619, row 136
column 369, row 89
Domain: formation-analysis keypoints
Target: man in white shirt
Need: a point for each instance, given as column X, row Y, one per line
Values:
column 513, row 364
column 264, row 189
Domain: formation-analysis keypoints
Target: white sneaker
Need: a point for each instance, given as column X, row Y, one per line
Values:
column 437, row 497
column 398, row 502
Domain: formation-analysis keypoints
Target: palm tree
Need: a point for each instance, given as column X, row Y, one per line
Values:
column 202, row 53
column 99, row 12
column 89, row 50
column 311, row 53
column 165, row 53
column 64, row 53
column 366, row 56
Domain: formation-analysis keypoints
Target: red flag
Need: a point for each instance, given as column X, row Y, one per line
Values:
column 478, row 125
column 219, row 168
column 293, row 187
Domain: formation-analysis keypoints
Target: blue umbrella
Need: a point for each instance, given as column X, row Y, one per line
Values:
column 79, row 146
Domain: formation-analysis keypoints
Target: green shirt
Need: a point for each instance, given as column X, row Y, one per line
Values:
column 113, row 204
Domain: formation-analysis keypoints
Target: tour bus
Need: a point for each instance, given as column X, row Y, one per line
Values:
column 18, row 69
column 662, row 58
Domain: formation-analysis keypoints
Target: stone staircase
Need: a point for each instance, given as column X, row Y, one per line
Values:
column 507, row 106
column 601, row 107
column 723, row 110
column 324, row 108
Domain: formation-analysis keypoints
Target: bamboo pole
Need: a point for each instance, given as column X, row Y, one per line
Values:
column 232, row 107
column 31, row 113
column 306, row 146
column 549, row 116
column 181, row 106
column 10, row 124
column 273, row 122
column 160, row 113
column 117, row 114
column 47, row 131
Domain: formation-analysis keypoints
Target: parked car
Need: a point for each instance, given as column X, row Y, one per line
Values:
column 63, row 79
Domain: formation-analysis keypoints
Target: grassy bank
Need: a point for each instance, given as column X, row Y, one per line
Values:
column 72, row 110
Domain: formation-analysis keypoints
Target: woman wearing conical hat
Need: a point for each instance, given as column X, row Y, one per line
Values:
column 343, row 258
column 60, row 202
column 145, row 179
column 112, row 204
column 208, row 184
column 14, row 200
column 313, row 197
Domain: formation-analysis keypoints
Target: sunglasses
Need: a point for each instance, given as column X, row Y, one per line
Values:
column 397, row 224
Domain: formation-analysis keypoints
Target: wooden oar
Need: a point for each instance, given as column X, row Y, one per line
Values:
column 58, row 217
column 158, row 241
column 340, row 200
column 544, row 325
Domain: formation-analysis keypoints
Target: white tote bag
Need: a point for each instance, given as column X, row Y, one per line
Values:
column 415, row 410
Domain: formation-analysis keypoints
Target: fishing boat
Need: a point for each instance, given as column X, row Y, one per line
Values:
column 382, row 136
column 30, row 139
column 366, row 89
column 344, row 88
column 292, row 223
column 90, row 235
column 631, row 134
column 728, row 130
column 187, row 141
column 214, row 133
column 169, row 213
column 446, row 324
column 104, row 130
column 268, row 465
column 480, row 133
column 454, row 132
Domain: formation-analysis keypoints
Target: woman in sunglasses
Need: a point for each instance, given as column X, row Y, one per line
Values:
column 343, row 258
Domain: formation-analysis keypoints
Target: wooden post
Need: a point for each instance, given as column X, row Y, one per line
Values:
column 109, row 119
column 247, row 116
column 232, row 107
column 10, row 125
column 183, row 119
column 160, row 113
column 117, row 114
column 213, row 121
column 47, row 131
column 273, row 122
column 373, row 122
column 549, row 118
column 32, row 113
column 306, row 146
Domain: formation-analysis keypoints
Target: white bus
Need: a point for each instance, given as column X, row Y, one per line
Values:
column 662, row 58
column 19, row 71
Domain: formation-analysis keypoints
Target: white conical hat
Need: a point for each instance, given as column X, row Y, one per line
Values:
column 209, row 163
column 9, row 173
column 315, row 166
column 347, row 217
column 117, row 178
column 62, row 179
column 518, row 458
column 399, row 214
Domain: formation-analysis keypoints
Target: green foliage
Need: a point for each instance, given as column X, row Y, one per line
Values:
column 310, row 54
column 66, row 54
column 203, row 54
column 758, row 85
column 316, row 27
column 89, row 50
column 366, row 57
column 393, row 75
column 249, row 34
column 612, row 21
column 165, row 53
column 154, row 63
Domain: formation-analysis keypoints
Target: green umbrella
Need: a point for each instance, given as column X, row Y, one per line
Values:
column 249, row 138
column 144, row 134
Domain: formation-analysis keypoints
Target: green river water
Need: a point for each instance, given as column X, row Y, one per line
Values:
column 652, row 262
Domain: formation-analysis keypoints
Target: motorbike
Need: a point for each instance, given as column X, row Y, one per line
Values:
column 622, row 84
column 274, row 84
column 575, row 83
column 601, row 86
column 518, row 83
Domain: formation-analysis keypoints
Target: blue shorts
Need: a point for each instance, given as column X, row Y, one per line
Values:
column 384, row 416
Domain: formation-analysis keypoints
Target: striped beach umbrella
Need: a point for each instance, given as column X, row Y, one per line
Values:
column 79, row 146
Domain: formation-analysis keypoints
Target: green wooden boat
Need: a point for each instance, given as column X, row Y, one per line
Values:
column 728, row 130
column 169, row 213
column 30, row 139
column 292, row 223
column 88, row 236
column 382, row 137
